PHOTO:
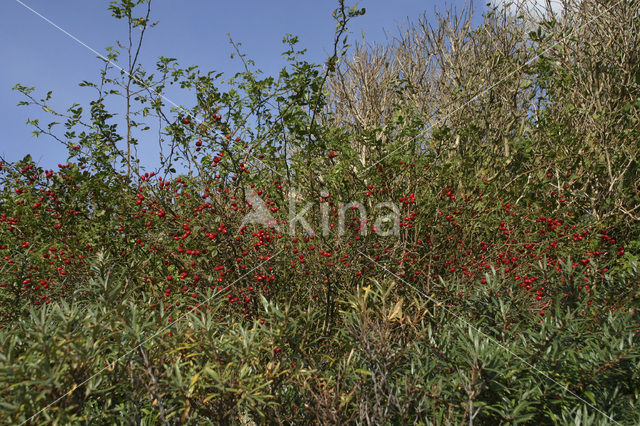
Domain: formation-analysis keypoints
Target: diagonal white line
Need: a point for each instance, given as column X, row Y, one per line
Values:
column 438, row 303
column 71, row 36
column 101, row 56
column 483, row 92
column 145, row 341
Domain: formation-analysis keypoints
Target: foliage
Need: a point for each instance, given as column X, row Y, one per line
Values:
column 508, row 293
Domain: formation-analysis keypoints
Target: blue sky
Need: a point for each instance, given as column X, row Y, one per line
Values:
column 34, row 53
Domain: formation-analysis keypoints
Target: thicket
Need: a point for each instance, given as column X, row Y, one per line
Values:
column 509, row 293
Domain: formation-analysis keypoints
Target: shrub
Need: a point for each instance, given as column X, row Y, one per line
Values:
column 508, row 291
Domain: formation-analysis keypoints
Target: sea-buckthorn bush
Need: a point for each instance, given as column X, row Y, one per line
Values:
column 493, row 278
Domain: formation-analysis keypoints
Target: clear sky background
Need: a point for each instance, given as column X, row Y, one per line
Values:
column 34, row 53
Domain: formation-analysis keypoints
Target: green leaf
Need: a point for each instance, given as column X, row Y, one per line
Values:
column 524, row 84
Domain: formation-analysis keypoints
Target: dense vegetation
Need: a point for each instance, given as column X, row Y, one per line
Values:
column 472, row 196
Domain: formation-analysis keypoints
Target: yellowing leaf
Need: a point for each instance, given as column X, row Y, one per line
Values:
column 367, row 290
column 75, row 385
column 396, row 311
column 186, row 413
column 194, row 379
